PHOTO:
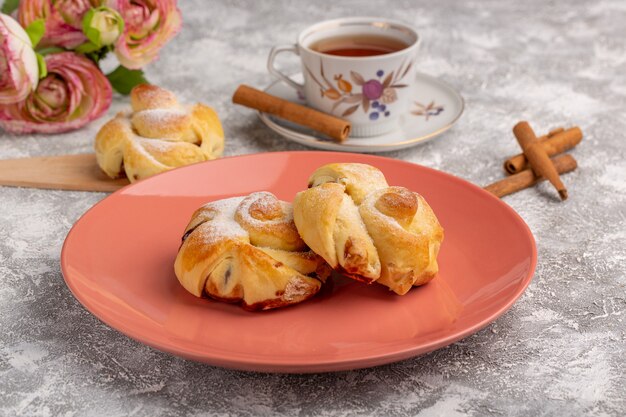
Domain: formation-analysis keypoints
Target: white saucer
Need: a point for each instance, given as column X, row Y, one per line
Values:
column 435, row 108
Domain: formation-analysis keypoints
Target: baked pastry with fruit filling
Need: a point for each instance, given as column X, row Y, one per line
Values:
column 368, row 230
column 157, row 134
column 247, row 250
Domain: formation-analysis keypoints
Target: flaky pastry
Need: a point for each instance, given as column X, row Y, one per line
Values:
column 158, row 134
column 247, row 250
column 368, row 230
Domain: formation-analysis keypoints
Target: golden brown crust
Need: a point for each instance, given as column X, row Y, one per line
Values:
column 109, row 146
column 269, row 222
column 149, row 96
column 358, row 179
column 158, row 134
column 398, row 203
column 329, row 223
column 397, row 223
column 408, row 246
column 243, row 250
column 170, row 124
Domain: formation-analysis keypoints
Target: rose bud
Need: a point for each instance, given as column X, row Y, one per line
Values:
column 103, row 26
column 73, row 93
column 19, row 71
column 148, row 25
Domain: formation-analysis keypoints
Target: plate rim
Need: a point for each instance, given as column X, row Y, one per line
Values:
column 387, row 147
column 271, row 365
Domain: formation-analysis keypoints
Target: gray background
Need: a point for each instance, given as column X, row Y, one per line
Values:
column 559, row 351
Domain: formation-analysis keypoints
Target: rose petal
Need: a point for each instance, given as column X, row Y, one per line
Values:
column 63, row 20
column 19, row 72
column 143, row 38
column 88, row 96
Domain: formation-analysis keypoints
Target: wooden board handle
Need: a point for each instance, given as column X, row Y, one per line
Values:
column 63, row 172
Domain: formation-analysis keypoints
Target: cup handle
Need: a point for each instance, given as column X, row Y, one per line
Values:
column 276, row 73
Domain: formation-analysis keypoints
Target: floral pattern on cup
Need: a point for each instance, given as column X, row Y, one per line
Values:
column 427, row 111
column 375, row 95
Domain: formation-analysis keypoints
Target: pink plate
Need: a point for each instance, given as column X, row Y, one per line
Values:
column 118, row 261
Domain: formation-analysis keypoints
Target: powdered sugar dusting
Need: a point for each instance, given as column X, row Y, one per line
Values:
column 223, row 225
column 138, row 145
column 361, row 179
column 265, row 202
column 148, row 146
column 369, row 203
column 361, row 171
column 160, row 116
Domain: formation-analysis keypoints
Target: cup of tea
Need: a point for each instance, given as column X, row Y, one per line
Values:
column 361, row 69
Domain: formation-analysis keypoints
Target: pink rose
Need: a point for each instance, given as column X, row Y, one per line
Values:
column 73, row 93
column 148, row 25
column 63, row 19
column 19, row 71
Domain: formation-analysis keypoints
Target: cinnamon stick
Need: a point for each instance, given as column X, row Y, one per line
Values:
column 331, row 126
column 555, row 142
column 527, row 178
column 537, row 157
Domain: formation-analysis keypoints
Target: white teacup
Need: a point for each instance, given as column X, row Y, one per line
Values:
column 371, row 91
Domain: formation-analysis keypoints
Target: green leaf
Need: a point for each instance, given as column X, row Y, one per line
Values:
column 36, row 31
column 87, row 47
column 41, row 63
column 50, row 50
column 9, row 6
column 98, row 54
column 123, row 79
column 92, row 34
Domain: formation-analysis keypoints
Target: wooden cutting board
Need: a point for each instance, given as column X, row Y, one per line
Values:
column 63, row 172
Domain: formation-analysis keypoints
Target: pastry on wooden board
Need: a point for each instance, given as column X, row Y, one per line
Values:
column 247, row 250
column 368, row 230
column 156, row 135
